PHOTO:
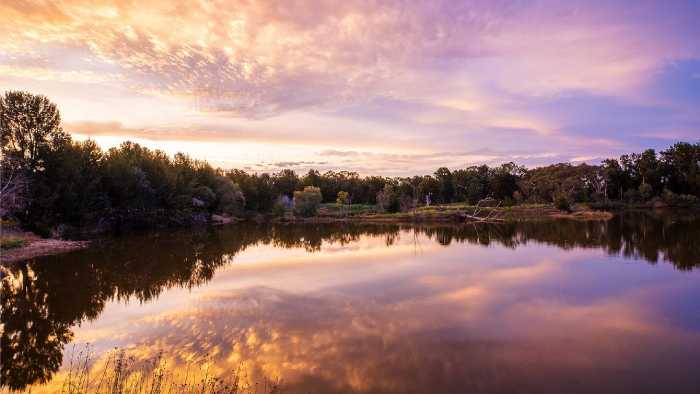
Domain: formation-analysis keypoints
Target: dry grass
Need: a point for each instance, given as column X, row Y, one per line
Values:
column 122, row 373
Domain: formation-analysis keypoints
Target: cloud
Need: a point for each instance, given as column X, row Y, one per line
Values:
column 288, row 164
column 417, row 84
column 338, row 153
column 257, row 59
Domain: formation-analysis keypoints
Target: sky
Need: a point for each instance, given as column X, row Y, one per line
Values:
column 379, row 87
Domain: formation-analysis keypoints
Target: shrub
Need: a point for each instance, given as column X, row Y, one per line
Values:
column 342, row 198
column 407, row 203
column 281, row 205
column 562, row 203
column 231, row 199
column 12, row 242
column 307, row 201
column 632, row 196
column 388, row 199
column 205, row 195
column 518, row 197
column 645, row 191
column 679, row 200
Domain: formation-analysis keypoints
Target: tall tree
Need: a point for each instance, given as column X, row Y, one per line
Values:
column 31, row 128
column 444, row 177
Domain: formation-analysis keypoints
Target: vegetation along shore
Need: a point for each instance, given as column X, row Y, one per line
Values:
column 56, row 187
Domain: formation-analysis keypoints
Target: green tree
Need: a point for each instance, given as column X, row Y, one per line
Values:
column 307, row 201
column 343, row 198
column 444, row 178
column 31, row 129
column 230, row 199
column 388, row 199
column 286, row 182
column 681, row 167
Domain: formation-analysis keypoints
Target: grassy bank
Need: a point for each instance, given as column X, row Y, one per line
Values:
column 19, row 246
column 11, row 242
column 455, row 212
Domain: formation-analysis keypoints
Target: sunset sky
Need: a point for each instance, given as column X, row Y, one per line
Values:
column 379, row 87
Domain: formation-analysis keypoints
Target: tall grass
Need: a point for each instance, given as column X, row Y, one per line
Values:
column 122, row 373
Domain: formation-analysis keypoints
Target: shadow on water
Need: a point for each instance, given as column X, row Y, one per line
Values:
column 44, row 298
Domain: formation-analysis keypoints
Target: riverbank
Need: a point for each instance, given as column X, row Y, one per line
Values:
column 19, row 246
column 452, row 213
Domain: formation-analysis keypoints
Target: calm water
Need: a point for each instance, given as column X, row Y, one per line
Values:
column 555, row 307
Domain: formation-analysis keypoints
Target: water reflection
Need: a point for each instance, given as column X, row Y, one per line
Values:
column 388, row 338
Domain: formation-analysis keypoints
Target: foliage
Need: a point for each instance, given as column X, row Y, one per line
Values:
column 561, row 202
column 230, row 198
column 31, row 129
column 13, row 186
column 388, row 199
column 679, row 200
column 343, row 198
column 12, row 242
column 50, row 180
column 645, row 191
column 307, row 201
column 282, row 205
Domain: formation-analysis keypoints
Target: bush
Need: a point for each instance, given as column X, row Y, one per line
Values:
column 11, row 243
column 342, row 198
column 388, row 199
column 407, row 203
column 281, row 206
column 632, row 196
column 204, row 195
column 562, row 203
column 518, row 197
column 645, row 191
column 231, row 199
column 307, row 201
column 679, row 200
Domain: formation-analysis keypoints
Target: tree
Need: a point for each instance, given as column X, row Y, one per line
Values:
column 388, row 199
column 286, row 182
column 444, row 178
column 307, row 201
column 230, row 199
column 13, row 186
column 472, row 183
column 503, row 180
column 681, row 166
column 31, row 129
column 312, row 178
column 648, row 168
column 428, row 189
column 616, row 179
column 342, row 200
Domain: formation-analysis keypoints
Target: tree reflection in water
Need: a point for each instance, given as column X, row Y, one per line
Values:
column 44, row 298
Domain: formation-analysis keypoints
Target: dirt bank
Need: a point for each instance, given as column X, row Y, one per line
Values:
column 35, row 246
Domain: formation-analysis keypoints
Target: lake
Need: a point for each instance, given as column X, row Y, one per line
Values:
column 534, row 307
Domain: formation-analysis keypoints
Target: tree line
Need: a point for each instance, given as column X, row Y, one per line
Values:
column 50, row 180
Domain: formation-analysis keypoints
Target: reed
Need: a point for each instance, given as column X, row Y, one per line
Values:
column 122, row 373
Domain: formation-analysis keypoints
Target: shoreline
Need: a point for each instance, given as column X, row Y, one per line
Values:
column 446, row 214
column 40, row 247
